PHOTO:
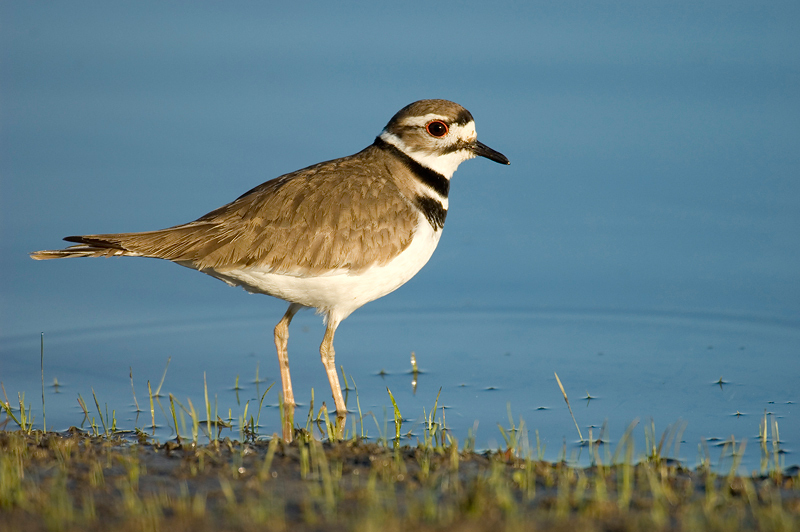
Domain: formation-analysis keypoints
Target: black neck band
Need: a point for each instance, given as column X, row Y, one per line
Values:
column 432, row 178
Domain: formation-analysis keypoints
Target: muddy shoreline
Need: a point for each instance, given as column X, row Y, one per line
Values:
column 72, row 481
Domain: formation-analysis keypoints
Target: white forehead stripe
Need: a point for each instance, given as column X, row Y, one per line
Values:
column 422, row 121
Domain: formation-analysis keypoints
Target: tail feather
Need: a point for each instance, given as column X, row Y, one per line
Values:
column 88, row 246
column 180, row 243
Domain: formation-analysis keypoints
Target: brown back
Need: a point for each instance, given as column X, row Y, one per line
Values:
column 347, row 213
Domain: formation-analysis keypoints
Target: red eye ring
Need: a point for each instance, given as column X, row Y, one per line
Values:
column 437, row 128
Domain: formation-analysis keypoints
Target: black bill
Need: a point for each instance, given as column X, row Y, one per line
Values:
column 482, row 150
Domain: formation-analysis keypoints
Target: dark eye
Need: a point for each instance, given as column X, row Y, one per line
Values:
column 437, row 128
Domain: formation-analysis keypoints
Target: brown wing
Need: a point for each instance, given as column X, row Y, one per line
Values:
column 308, row 221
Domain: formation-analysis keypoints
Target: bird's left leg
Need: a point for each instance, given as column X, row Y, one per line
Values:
column 328, row 360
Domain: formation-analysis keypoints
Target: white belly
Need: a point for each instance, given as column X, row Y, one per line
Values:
column 338, row 293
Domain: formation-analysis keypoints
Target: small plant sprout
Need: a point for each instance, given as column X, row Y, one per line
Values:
column 344, row 378
column 174, row 418
column 152, row 407
column 41, row 360
column 163, row 376
column 414, row 372
column 99, row 413
column 398, row 418
column 130, row 370
column 566, row 400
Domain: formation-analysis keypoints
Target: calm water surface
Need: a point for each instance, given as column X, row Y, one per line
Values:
column 643, row 244
column 616, row 367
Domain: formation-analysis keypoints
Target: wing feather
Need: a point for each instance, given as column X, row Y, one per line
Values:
column 306, row 222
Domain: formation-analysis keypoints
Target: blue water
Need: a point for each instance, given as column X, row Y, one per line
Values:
column 643, row 244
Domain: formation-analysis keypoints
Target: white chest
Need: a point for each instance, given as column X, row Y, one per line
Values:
column 338, row 293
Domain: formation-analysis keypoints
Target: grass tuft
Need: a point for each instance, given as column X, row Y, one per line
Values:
column 99, row 479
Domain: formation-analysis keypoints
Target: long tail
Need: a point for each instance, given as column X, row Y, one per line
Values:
column 182, row 243
column 88, row 246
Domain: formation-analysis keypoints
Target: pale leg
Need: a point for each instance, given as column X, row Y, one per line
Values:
column 281, row 343
column 328, row 360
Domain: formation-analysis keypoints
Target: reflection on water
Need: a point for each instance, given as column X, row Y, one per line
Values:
column 695, row 380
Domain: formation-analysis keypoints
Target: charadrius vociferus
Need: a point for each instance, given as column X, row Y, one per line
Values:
column 332, row 236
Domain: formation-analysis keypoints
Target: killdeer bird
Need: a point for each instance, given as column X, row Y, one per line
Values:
column 332, row 236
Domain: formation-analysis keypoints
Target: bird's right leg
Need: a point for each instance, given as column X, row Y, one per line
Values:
column 281, row 343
